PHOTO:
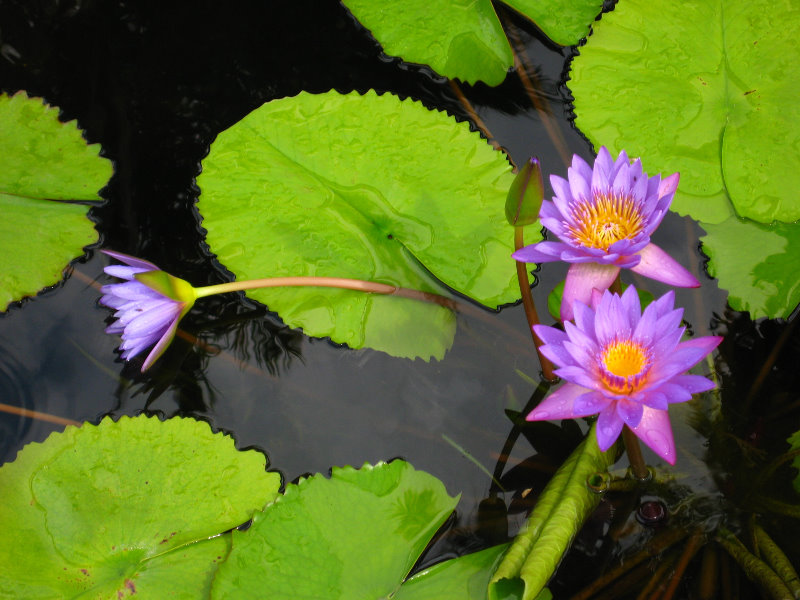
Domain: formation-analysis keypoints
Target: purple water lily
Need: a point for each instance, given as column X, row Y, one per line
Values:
column 604, row 217
column 626, row 365
column 145, row 316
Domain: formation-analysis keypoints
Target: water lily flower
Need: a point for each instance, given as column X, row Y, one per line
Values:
column 626, row 365
column 604, row 217
column 149, row 305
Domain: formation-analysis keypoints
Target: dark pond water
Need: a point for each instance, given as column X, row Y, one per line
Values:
column 154, row 83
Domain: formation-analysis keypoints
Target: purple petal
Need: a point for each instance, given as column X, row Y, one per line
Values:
column 683, row 358
column 654, row 399
column 590, row 403
column 694, row 384
column 130, row 290
column 161, row 346
column 657, row 264
column 668, row 185
column 550, row 335
column 557, row 405
column 630, row 412
column 579, row 376
column 131, row 260
column 655, row 430
column 674, row 393
column 611, row 321
column 123, row 272
column 609, row 426
column 581, row 279
column 540, row 252
column 584, row 316
column 579, row 185
column 562, row 195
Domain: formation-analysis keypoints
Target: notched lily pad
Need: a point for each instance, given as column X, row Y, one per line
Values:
column 707, row 89
column 355, row 535
column 44, row 161
column 124, row 508
column 464, row 39
column 365, row 187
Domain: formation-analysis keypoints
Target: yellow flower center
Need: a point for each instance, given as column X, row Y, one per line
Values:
column 626, row 364
column 605, row 219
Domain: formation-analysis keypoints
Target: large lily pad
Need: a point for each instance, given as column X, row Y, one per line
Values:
column 367, row 187
column 463, row 38
column 125, row 508
column 708, row 89
column 44, row 161
column 758, row 264
column 355, row 535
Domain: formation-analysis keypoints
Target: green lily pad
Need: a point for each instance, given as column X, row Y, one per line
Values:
column 462, row 578
column 44, row 161
column 758, row 265
column 355, row 535
column 559, row 513
column 463, row 39
column 707, row 89
column 125, row 508
column 365, row 187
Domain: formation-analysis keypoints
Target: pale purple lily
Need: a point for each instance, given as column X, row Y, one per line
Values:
column 604, row 217
column 626, row 365
column 147, row 313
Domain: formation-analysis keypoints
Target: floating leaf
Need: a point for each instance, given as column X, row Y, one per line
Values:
column 560, row 511
column 355, row 535
column 366, row 187
column 44, row 160
column 125, row 508
column 463, row 38
column 757, row 264
column 463, row 578
column 708, row 89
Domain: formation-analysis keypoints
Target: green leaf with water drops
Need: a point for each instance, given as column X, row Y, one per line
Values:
column 463, row 39
column 758, row 265
column 365, row 187
column 355, row 535
column 707, row 89
column 45, row 162
column 125, row 508
column 559, row 513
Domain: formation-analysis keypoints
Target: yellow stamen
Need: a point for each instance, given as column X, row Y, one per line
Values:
column 605, row 219
column 624, row 358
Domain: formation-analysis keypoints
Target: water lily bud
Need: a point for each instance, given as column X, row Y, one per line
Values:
column 525, row 195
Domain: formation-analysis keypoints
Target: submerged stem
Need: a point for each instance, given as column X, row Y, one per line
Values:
column 330, row 282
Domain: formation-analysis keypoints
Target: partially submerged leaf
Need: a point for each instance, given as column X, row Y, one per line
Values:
column 463, row 39
column 44, row 160
column 366, row 187
column 462, row 578
column 125, row 508
column 758, row 265
column 560, row 511
column 355, row 535
column 707, row 89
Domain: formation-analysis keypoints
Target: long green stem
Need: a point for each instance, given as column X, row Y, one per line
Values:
column 330, row 282
column 530, row 308
column 757, row 570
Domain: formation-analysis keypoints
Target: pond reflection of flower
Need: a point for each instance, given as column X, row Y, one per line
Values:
column 604, row 217
column 146, row 313
column 626, row 365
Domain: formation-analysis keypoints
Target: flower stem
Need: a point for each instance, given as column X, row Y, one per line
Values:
column 530, row 307
column 634, row 452
column 330, row 282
